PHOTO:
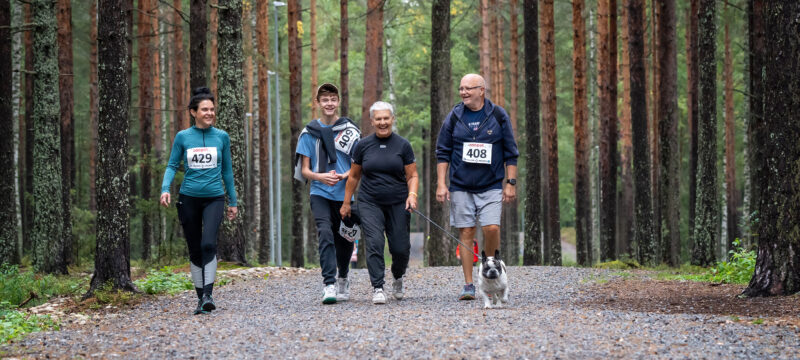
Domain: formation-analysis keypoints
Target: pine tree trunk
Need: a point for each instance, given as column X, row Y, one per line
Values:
column 146, row 105
column 485, row 52
column 730, row 141
column 510, row 244
column 48, row 221
column 669, row 154
column 692, row 72
column 262, row 37
column 314, row 66
column 93, row 108
column 230, row 118
column 608, row 133
column 533, row 197
column 583, row 216
column 549, row 126
column 707, row 212
column 26, row 142
column 625, row 215
column 296, row 124
column 757, row 59
column 643, row 211
column 8, row 208
column 653, row 108
column 344, row 72
column 112, row 254
column 777, row 269
column 198, row 27
column 373, row 63
column 65, row 89
column 251, row 228
column 439, row 249
column 179, row 94
column 213, row 38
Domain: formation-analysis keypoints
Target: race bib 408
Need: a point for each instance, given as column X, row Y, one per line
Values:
column 201, row 158
column 477, row 153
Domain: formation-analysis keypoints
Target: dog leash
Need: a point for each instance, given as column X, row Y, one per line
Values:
column 447, row 232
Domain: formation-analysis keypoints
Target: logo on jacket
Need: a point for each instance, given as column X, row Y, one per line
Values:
column 489, row 132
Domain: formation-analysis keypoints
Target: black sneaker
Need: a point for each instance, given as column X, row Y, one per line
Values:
column 208, row 303
column 199, row 309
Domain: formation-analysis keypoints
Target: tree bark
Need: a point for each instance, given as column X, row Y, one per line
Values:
column 777, row 269
column 198, row 27
column 296, row 124
column 732, row 193
column 8, row 208
column 179, row 94
column 439, row 249
column 146, row 104
column 373, row 63
column 549, row 126
column 608, row 132
column 112, row 254
column 692, row 72
column 625, row 215
column 756, row 59
column 669, row 154
column 707, row 212
column 583, row 215
column 344, row 72
column 251, row 228
column 314, row 66
column 48, row 221
column 653, row 106
column 213, row 38
column 230, row 118
column 643, row 212
column 262, row 37
column 93, row 108
column 485, row 53
column 533, row 197
column 26, row 142
column 510, row 243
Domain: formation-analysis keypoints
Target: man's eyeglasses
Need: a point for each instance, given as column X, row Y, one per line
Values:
column 469, row 88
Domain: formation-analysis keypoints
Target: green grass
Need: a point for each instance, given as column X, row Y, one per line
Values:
column 164, row 281
column 17, row 286
column 14, row 323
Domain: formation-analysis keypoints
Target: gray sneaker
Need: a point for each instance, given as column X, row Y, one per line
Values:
column 329, row 294
column 342, row 289
column 378, row 297
column 468, row 293
column 397, row 288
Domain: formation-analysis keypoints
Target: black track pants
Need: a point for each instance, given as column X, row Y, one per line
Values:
column 394, row 221
column 334, row 250
column 201, row 218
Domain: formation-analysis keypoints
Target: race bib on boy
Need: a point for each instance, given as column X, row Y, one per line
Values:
column 201, row 158
column 477, row 153
column 349, row 233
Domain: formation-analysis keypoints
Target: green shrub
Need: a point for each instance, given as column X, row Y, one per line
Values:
column 738, row 269
column 15, row 323
column 164, row 281
column 622, row 264
column 18, row 286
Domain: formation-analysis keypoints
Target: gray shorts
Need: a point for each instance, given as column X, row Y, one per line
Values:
column 467, row 207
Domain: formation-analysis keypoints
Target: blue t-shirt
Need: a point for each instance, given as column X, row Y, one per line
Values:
column 306, row 146
column 206, row 155
column 473, row 118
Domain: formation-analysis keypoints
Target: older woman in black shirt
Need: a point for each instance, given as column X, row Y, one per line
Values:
column 387, row 195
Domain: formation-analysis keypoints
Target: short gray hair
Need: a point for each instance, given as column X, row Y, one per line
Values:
column 380, row 105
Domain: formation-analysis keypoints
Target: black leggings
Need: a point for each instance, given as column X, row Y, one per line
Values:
column 201, row 218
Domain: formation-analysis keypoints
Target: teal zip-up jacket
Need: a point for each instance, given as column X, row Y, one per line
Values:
column 206, row 155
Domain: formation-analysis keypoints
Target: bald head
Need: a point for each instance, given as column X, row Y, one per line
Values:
column 472, row 91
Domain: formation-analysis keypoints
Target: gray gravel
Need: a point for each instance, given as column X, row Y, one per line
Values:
column 282, row 317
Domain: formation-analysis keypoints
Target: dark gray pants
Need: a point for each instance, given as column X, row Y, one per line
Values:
column 394, row 221
column 334, row 250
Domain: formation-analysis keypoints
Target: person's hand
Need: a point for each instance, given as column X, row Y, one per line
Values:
column 344, row 211
column 442, row 193
column 328, row 178
column 165, row 199
column 411, row 203
column 342, row 176
column 509, row 193
column 232, row 211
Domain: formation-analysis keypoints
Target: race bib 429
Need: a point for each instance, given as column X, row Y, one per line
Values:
column 201, row 158
column 477, row 153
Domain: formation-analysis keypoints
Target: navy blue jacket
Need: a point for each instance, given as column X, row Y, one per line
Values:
column 472, row 177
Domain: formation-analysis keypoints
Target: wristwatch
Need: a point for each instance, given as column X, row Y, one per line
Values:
column 512, row 182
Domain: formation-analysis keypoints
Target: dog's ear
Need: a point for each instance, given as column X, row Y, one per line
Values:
column 483, row 256
column 497, row 254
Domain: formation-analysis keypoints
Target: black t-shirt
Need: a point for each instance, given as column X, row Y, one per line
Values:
column 383, row 175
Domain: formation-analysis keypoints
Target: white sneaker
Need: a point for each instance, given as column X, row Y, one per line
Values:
column 397, row 288
column 329, row 294
column 378, row 297
column 342, row 289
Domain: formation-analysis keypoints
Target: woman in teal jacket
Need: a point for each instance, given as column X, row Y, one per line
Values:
column 205, row 152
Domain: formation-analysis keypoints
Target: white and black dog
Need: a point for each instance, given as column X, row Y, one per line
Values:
column 492, row 280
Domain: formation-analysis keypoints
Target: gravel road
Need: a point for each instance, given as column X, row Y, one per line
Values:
column 282, row 317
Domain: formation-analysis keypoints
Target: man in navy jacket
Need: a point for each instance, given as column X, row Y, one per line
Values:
column 477, row 144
